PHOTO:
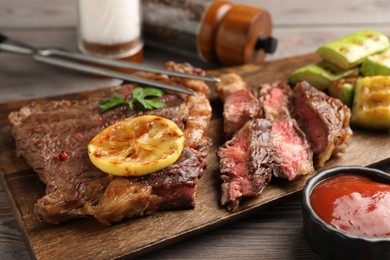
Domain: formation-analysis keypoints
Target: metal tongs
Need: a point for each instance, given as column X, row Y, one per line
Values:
column 64, row 59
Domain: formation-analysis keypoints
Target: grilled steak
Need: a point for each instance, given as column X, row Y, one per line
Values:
column 274, row 100
column 292, row 154
column 53, row 137
column 273, row 144
column 289, row 154
column 324, row 119
column 240, row 105
column 245, row 163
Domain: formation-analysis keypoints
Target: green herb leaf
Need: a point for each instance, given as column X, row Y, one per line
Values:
column 152, row 92
column 114, row 101
column 139, row 95
column 152, row 103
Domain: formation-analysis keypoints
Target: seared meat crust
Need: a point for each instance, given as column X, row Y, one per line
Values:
column 53, row 137
column 287, row 146
column 324, row 119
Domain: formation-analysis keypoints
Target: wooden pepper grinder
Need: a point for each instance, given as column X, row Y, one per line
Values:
column 214, row 31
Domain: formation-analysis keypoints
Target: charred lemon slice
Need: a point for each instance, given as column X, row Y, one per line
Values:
column 137, row 146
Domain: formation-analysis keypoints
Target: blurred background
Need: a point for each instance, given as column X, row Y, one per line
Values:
column 300, row 26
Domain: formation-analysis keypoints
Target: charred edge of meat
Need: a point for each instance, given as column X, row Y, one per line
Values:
column 75, row 188
column 324, row 119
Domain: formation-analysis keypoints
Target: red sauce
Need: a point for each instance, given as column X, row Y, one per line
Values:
column 355, row 204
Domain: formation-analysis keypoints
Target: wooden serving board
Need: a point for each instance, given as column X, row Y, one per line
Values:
column 87, row 239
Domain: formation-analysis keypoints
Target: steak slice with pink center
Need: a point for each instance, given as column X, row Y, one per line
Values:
column 240, row 105
column 245, row 163
column 263, row 146
column 324, row 119
column 293, row 156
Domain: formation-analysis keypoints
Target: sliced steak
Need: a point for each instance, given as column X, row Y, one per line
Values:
column 274, row 144
column 274, row 100
column 240, row 105
column 245, row 163
column 292, row 154
column 53, row 137
column 324, row 119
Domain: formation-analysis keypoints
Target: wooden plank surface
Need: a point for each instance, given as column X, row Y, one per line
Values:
column 301, row 26
column 136, row 237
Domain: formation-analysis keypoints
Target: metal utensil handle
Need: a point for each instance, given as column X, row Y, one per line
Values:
column 122, row 64
column 13, row 46
column 109, row 73
column 39, row 55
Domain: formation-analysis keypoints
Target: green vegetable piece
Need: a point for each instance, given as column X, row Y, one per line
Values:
column 385, row 52
column 378, row 64
column 347, row 92
column 350, row 51
column 139, row 95
column 371, row 104
column 320, row 75
column 343, row 89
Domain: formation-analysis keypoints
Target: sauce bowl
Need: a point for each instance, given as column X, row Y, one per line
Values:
column 330, row 242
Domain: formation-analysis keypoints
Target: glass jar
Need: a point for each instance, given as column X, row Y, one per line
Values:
column 111, row 28
column 214, row 31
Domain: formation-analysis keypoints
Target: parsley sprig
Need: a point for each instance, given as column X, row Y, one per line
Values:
column 144, row 96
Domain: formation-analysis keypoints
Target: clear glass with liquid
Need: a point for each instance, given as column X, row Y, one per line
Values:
column 111, row 28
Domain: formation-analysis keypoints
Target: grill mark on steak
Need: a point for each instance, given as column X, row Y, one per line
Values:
column 75, row 188
column 324, row 119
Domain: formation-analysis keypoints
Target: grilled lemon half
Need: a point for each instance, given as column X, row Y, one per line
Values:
column 137, row 146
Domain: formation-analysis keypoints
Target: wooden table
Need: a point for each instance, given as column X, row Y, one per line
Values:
column 300, row 26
